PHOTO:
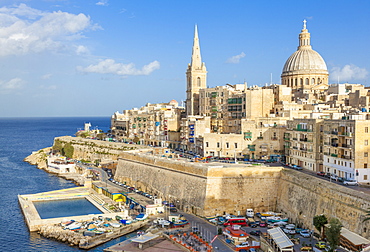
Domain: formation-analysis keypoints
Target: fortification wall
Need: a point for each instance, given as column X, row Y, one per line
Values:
column 88, row 149
column 199, row 188
column 302, row 196
column 208, row 190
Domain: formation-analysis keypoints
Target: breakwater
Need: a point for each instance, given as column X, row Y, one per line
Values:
column 76, row 238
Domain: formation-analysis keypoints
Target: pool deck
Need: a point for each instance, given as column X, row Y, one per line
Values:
column 33, row 220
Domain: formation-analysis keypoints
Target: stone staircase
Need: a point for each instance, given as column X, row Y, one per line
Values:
column 100, row 202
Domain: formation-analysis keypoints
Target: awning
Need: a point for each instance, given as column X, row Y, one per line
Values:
column 280, row 238
column 353, row 237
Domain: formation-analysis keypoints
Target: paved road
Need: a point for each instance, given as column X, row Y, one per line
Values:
column 208, row 231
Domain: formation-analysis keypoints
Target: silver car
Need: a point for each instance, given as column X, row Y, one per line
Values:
column 350, row 182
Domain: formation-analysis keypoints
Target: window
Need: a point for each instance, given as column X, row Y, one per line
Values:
column 366, row 142
column 365, row 177
column 218, row 145
column 366, row 129
column 227, row 145
column 365, row 165
column 366, row 154
column 207, row 144
column 236, row 145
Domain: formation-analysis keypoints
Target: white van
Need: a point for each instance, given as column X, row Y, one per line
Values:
column 250, row 213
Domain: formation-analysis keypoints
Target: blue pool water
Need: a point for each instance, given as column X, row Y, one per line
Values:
column 64, row 208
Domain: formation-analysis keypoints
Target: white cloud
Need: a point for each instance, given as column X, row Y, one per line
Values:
column 26, row 30
column 46, row 76
column 49, row 87
column 235, row 59
column 102, row 3
column 82, row 50
column 348, row 73
column 109, row 66
column 11, row 85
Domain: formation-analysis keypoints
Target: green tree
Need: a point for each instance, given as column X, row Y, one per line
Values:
column 332, row 233
column 58, row 146
column 367, row 215
column 319, row 222
column 68, row 150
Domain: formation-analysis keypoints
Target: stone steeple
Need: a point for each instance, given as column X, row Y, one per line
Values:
column 196, row 78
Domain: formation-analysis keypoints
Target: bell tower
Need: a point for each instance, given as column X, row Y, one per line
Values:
column 196, row 78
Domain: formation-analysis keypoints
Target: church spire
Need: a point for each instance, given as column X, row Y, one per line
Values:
column 304, row 38
column 196, row 59
column 196, row 78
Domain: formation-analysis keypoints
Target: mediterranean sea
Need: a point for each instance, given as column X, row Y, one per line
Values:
column 18, row 138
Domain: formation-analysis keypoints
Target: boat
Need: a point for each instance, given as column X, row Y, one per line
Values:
column 276, row 219
column 115, row 225
column 180, row 223
column 141, row 217
column 91, row 227
column 74, row 226
column 126, row 221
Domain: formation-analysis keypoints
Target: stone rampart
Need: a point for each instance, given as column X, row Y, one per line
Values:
column 207, row 189
column 91, row 150
column 302, row 196
column 203, row 189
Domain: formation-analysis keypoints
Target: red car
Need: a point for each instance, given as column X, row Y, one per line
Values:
column 321, row 173
column 263, row 224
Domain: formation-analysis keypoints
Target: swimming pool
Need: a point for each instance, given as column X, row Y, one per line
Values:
column 64, row 208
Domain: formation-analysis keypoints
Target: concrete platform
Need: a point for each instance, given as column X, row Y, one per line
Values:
column 33, row 219
column 157, row 245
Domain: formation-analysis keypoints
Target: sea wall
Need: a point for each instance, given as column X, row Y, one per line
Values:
column 302, row 196
column 91, row 150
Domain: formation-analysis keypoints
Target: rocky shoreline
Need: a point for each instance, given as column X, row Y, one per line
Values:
column 39, row 158
column 67, row 236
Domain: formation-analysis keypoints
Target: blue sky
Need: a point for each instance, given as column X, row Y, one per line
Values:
column 95, row 57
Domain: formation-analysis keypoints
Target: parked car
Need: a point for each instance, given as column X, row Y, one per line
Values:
column 341, row 179
column 289, row 229
column 350, row 182
column 320, row 245
column 255, row 232
column 334, row 177
column 297, row 167
column 305, row 233
column 321, row 173
column 263, row 224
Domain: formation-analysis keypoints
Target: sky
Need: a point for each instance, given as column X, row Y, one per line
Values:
column 95, row 57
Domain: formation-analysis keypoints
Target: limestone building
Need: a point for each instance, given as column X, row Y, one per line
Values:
column 305, row 70
column 153, row 124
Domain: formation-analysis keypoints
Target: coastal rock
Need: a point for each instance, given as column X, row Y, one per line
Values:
column 38, row 158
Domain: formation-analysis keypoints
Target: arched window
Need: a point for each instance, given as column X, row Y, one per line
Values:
column 318, row 81
column 198, row 81
column 296, row 82
column 301, row 82
column 307, row 81
column 313, row 81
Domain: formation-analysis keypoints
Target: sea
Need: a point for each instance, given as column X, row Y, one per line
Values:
column 19, row 137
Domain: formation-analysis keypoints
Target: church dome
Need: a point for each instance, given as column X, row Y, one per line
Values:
column 304, row 61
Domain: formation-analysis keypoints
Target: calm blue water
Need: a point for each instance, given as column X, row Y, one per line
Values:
column 18, row 138
column 64, row 208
